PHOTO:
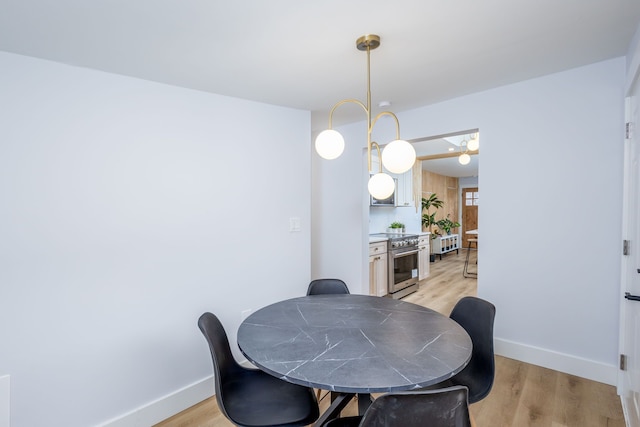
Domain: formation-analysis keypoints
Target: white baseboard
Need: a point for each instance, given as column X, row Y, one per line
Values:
column 165, row 407
column 192, row 394
column 585, row 368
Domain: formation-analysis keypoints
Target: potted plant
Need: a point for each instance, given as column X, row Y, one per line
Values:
column 429, row 218
column 446, row 224
column 396, row 227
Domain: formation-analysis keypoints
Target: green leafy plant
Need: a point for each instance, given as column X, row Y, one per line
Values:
column 446, row 224
column 396, row 224
column 428, row 217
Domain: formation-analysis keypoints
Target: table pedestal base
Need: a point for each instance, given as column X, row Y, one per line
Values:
column 338, row 403
column 364, row 401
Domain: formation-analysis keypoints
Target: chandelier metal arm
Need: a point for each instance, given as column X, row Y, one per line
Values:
column 344, row 101
column 370, row 131
column 366, row 43
column 401, row 157
column 386, row 113
column 371, row 145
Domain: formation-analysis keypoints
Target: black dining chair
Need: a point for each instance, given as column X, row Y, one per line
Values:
column 250, row 397
column 446, row 407
column 476, row 316
column 327, row 286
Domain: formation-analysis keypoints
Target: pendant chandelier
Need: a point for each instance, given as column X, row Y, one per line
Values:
column 397, row 157
column 469, row 145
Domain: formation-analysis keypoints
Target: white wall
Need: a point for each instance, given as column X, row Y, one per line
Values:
column 127, row 209
column 339, row 206
column 5, row 401
column 550, row 248
column 468, row 181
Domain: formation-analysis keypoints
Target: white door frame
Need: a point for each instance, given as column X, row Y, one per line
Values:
column 628, row 388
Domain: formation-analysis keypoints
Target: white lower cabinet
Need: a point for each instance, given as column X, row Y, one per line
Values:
column 423, row 256
column 378, row 268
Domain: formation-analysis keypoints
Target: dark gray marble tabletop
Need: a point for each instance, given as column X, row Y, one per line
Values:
column 354, row 343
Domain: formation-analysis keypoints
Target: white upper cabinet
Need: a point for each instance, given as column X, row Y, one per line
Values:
column 404, row 189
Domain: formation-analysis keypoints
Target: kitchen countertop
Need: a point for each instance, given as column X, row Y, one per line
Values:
column 376, row 239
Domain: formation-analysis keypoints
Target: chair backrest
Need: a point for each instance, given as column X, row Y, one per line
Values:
column 327, row 286
column 444, row 407
column 225, row 366
column 476, row 316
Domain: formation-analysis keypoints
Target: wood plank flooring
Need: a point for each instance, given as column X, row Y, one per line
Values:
column 522, row 395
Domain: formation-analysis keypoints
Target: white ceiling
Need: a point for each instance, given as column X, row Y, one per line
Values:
column 443, row 145
column 302, row 54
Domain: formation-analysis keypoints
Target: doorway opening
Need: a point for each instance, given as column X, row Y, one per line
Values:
column 456, row 186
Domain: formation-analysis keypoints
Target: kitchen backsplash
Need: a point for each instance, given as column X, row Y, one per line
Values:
column 381, row 217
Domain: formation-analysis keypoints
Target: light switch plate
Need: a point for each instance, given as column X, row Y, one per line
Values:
column 294, row 224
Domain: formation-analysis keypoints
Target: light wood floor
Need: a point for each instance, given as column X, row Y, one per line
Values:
column 522, row 395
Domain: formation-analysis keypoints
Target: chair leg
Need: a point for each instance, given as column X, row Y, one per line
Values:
column 465, row 270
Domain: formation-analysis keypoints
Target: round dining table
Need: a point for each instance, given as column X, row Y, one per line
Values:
column 354, row 344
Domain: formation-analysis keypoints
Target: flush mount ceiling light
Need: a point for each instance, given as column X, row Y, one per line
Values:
column 397, row 157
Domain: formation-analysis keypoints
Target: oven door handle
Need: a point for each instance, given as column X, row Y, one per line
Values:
column 405, row 253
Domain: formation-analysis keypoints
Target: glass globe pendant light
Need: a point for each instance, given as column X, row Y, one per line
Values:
column 381, row 186
column 474, row 143
column 464, row 159
column 397, row 157
column 329, row 144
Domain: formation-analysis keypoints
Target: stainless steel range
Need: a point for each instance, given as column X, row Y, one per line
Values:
column 402, row 254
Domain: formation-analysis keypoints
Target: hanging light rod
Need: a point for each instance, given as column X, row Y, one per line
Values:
column 397, row 157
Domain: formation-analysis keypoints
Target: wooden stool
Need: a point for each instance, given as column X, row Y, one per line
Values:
column 465, row 271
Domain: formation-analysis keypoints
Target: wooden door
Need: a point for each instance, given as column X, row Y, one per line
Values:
column 469, row 213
